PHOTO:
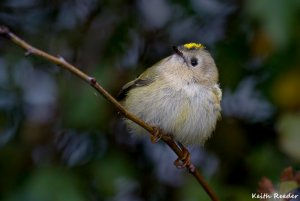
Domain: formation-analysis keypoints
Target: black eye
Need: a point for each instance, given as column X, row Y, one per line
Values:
column 194, row 62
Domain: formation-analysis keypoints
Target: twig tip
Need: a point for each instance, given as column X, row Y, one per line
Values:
column 4, row 31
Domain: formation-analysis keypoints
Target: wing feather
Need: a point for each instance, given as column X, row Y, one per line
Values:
column 131, row 85
column 144, row 79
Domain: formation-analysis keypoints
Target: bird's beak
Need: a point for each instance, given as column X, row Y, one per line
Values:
column 177, row 51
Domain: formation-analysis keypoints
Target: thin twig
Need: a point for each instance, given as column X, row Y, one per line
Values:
column 30, row 50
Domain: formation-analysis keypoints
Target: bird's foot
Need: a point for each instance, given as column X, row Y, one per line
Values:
column 156, row 135
column 184, row 160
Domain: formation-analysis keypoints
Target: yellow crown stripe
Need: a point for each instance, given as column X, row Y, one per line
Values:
column 193, row 46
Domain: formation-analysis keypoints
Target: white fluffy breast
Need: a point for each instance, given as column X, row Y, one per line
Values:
column 189, row 112
column 198, row 112
column 191, row 90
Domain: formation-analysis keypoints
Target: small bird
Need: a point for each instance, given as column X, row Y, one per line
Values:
column 180, row 95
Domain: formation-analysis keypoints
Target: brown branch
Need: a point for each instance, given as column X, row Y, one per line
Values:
column 30, row 50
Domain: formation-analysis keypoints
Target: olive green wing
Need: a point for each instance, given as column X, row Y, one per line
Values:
column 144, row 79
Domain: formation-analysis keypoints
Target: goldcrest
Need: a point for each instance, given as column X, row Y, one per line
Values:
column 179, row 95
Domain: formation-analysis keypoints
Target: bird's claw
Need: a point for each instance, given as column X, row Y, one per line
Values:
column 156, row 135
column 184, row 160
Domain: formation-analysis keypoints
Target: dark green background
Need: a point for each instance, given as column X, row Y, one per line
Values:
column 61, row 141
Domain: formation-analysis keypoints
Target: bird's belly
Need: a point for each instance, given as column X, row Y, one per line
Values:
column 189, row 115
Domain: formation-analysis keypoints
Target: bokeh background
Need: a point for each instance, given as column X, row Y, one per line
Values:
column 59, row 140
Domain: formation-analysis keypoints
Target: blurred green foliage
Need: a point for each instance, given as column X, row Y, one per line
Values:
column 61, row 141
